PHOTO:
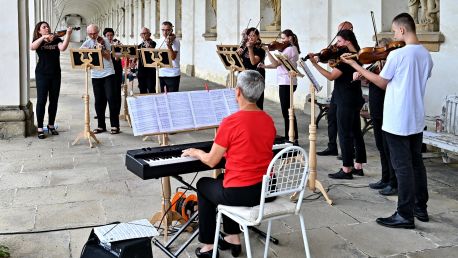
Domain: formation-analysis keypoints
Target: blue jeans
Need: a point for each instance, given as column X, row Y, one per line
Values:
column 407, row 161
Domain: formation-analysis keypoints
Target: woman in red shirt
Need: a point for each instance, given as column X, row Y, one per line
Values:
column 245, row 139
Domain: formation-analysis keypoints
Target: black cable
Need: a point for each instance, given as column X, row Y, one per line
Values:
column 53, row 230
column 331, row 186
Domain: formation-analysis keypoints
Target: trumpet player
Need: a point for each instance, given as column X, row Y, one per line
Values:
column 170, row 77
column 103, row 83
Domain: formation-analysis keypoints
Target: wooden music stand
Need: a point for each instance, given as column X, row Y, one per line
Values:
column 126, row 52
column 157, row 58
column 86, row 59
column 231, row 61
column 312, row 180
column 292, row 72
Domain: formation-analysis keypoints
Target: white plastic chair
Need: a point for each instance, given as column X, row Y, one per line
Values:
column 287, row 174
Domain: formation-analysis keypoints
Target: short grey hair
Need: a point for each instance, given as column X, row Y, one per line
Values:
column 251, row 83
column 92, row 25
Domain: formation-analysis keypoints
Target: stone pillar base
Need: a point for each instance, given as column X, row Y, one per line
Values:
column 16, row 121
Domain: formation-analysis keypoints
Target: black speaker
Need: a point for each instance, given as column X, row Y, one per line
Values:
column 131, row 248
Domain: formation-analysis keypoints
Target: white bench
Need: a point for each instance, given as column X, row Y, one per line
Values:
column 447, row 139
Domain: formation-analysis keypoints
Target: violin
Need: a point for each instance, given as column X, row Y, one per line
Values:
column 170, row 38
column 275, row 45
column 61, row 33
column 331, row 53
column 101, row 42
column 369, row 55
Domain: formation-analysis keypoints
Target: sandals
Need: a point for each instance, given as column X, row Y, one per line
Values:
column 52, row 130
column 99, row 130
column 115, row 130
column 41, row 135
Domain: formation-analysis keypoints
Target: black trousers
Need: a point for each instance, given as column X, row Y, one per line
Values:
column 410, row 171
column 350, row 136
column 147, row 83
column 388, row 175
column 106, row 90
column 172, row 83
column 283, row 92
column 332, row 126
column 210, row 193
column 47, row 85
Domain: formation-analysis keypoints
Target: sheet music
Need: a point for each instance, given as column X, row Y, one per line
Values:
column 310, row 76
column 142, row 107
column 122, row 231
column 180, row 110
column 163, row 113
column 177, row 111
column 203, row 115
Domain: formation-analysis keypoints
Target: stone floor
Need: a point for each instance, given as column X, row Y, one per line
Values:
column 53, row 193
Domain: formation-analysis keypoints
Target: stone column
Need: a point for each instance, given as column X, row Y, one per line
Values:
column 16, row 111
column 148, row 15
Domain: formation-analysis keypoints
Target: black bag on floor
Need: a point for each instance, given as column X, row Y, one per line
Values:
column 131, row 248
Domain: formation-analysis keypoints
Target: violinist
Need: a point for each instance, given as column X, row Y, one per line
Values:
column 252, row 55
column 48, row 73
column 108, row 33
column 146, row 75
column 103, row 83
column 170, row 77
column 349, row 100
column 332, row 149
column 404, row 77
column 388, row 184
column 291, row 50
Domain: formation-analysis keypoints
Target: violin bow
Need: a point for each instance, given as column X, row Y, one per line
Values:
column 375, row 28
column 122, row 19
column 60, row 17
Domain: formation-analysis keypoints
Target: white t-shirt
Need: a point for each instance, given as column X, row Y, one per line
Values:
column 108, row 68
column 175, row 70
column 407, row 70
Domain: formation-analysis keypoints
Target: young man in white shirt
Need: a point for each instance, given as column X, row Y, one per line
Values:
column 404, row 77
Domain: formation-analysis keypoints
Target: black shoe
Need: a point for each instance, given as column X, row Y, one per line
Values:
column 339, row 157
column 224, row 245
column 396, row 221
column 357, row 172
column 52, row 130
column 41, row 135
column 388, row 191
column 341, row 175
column 99, row 130
column 421, row 214
column 205, row 254
column 378, row 185
column 327, row 152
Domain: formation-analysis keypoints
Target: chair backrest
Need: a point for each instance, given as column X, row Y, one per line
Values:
column 287, row 174
column 450, row 114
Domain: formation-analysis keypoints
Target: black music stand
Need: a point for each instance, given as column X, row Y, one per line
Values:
column 126, row 52
column 157, row 58
column 86, row 59
column 231, row 60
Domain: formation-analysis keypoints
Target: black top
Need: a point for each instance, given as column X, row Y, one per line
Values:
column 49, row 57
column 246, row 60
column 346, row 91
column 143, row 71
column 376, row 99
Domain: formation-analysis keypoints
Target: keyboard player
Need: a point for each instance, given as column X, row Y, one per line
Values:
column 245, row 139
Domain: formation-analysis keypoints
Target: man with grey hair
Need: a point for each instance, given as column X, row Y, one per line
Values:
column 245, row 138
column 103, row 83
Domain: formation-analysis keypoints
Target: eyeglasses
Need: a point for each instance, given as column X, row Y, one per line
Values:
column 95, row 33
column 166, row 29
column 145, row 33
